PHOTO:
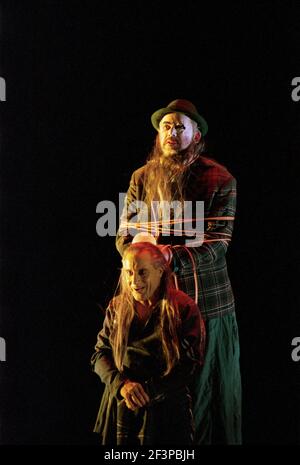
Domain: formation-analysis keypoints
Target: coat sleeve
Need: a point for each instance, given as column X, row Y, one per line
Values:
column 217, row 232
column 102, row 360
column 192, row 343
column 124, row 238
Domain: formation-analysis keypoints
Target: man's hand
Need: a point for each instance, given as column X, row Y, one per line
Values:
column 144, row 237
column 134, row 395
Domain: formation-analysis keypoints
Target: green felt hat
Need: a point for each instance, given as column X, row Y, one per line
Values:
column 180, row 106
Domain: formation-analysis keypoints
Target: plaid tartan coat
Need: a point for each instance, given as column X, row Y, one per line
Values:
column 201, row 268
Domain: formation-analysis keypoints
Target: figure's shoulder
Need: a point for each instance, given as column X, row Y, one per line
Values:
column 214, row 169
column 138, row 174
column 213, row 165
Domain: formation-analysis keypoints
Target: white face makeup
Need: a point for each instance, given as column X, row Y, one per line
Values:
column 176, row 133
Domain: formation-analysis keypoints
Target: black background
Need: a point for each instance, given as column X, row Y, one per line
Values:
column 82, row 80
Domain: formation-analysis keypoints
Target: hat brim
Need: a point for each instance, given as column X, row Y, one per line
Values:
column 159, row 114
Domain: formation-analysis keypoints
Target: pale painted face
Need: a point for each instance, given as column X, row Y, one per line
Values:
column 141, row 276
column 176, row 133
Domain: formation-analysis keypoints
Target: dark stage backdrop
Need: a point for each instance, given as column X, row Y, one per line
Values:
column 82, row 79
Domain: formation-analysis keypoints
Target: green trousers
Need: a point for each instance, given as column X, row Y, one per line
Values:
column 217, row 388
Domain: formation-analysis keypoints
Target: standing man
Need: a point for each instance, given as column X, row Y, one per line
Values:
column 176, row 172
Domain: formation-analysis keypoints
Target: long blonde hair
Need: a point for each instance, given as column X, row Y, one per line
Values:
column 124, row 305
